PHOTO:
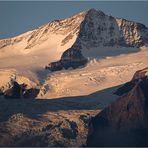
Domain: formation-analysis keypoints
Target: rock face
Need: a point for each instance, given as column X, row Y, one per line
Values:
column 19, row 91
column 138, row 76
column 98, row 29
column 125, row 122
column 71, row 58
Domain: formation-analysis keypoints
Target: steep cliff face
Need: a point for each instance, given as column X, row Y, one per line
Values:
column 123, row 123
column 100, row 30
column 132, row 33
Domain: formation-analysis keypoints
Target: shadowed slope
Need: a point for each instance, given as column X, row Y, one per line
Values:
column 123, row 123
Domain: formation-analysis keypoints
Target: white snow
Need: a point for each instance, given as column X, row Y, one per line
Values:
column 96, row 76
column 26, row 56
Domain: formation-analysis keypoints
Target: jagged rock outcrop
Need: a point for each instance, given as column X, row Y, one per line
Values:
column 125, row 122
column 97, row 30
column 71, row 58
column 138, row 76
column 18, row 91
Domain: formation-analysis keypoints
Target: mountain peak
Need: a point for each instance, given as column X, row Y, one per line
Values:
column 93, row 11
column 97, row 29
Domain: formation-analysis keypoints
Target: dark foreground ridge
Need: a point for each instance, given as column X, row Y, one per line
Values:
column 124, row 122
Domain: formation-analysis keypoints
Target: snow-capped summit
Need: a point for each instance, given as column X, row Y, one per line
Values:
column 70, row 42
column 100, row 30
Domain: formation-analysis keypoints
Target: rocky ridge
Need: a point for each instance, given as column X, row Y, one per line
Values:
column 124, row 122
column 67, row 27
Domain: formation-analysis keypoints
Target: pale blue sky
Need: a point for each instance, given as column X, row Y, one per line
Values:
column 20, row 16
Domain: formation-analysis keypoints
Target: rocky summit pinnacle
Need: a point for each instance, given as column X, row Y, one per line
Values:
column 93, row 11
